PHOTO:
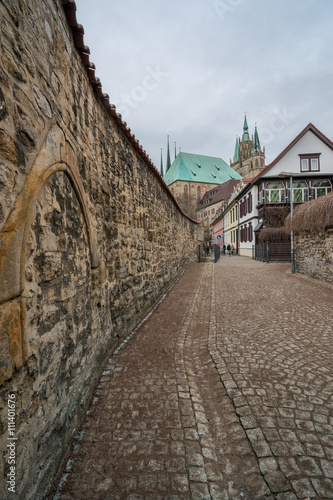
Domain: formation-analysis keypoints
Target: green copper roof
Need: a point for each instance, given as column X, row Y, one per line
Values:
column 198, row 168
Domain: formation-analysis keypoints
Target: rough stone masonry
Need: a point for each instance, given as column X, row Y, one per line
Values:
column 90, row 236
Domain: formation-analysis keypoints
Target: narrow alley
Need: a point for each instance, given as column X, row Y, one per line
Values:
column 224, row 392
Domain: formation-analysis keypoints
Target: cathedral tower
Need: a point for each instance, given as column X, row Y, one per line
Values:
column 249, row 158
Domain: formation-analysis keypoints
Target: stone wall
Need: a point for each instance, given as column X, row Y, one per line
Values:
column 89, row 236
column 314, row 254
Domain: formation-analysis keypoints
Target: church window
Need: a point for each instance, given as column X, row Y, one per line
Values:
column 186, row 194
column 300, row 192
column 198, row 193
column 321, row 188
column 275, row 192
column 257, row 163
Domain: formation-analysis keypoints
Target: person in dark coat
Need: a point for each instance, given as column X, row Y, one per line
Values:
column 229, row 249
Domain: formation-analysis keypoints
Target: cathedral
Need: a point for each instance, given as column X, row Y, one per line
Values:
column 249, row 158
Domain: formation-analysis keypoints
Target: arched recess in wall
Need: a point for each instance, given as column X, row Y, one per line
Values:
column 14, row 237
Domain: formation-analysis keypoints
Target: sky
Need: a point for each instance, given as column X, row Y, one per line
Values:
column 191, row 69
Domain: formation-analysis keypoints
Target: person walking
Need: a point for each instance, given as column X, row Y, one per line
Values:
column 229, row 249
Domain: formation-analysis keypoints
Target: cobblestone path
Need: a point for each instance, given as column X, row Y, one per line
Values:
column 224, row 392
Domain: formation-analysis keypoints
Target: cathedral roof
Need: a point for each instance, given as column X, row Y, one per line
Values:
column 198, row 168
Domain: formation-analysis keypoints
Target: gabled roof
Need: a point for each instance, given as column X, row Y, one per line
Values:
column 217, row 194
column 199, row 168
column 308, row 128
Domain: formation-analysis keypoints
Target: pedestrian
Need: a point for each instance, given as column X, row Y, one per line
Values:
column 228, row 248
column 232, row 249
column 223, row 249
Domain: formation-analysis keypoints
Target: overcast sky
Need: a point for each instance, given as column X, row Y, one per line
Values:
column 192, row 68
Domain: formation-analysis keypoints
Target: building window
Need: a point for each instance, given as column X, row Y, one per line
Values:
column 249, row 203
column 275, row 192
column 198, row 194
column 321, row 188
column 261, row 193
column 310, row 163
column 186, row 195
column 300, row 192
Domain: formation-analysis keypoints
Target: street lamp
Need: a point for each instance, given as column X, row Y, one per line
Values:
column 284, row 175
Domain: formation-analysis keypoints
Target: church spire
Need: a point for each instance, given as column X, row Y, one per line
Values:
column 236, row 153
column 162, row 173
column 175, row 151
column 256, row 142
column 246, row 136
column 168, row 163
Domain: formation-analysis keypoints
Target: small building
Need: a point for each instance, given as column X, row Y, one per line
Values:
column 226, row 222
column 265, row 202
column 209, row 204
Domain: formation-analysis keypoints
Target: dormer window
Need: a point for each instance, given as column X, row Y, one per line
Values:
column 310, row 163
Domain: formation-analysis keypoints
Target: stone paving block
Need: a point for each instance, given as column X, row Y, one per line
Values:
column 188, row 422
column 304, row 425
column 288, row 435
column 271, row 435
column 323, row 487
column 261, row 449
column 218, row 492
column 267, row 465
column 277, row 482
column 327, row 467
column 197, row 474
column 279, row 448
column 289, row 467
column 196, row 460
column 208, row 453
column 148, row 482
column 175, row 465
column 289, row 495
column 192, row 447
column 255, row 435
column 191, row 434
column 326, row 439
column 177, row 448
column 314, row 450
column 309, row 466
column 200, row 491
column 243, row 411
column 249, row 422
column 213, row 472
column 294, row 448
column 179, row 482
column 266, row 422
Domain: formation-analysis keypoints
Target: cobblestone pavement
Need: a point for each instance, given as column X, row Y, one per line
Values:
column 224, row 392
